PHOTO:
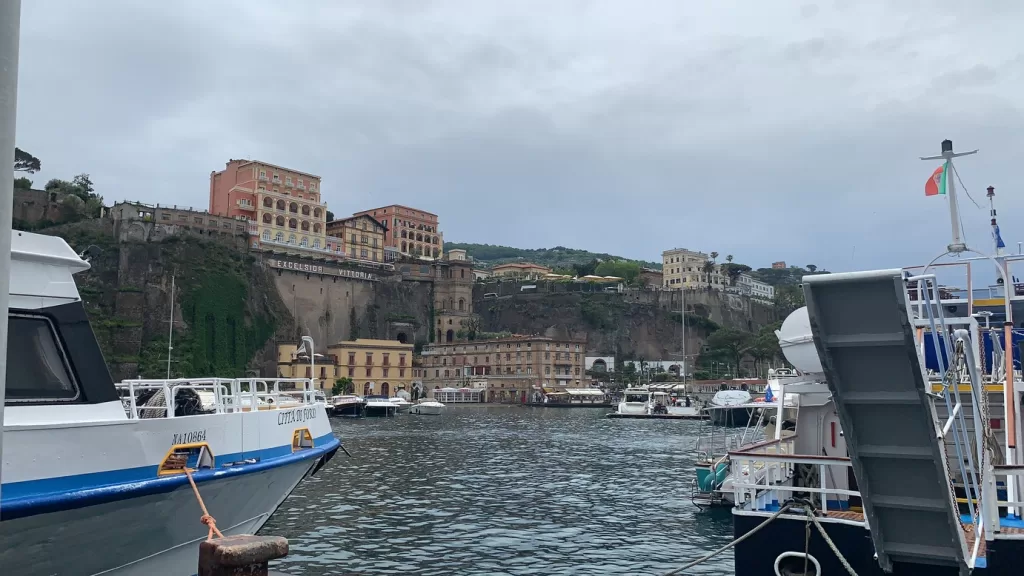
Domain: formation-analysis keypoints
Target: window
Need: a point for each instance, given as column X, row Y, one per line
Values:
column 401, row 372
column 385, row 370
column 351, row 358
column 279, row 237
column 386, row 360
column 363, row 253
column 369, row 358
column 369, row 371
column 40, row 374
column 266, row 234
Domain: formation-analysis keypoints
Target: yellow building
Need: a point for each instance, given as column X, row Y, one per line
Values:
column 520, row 270
column 685, row 268
column 362, row 237
column 375, row 366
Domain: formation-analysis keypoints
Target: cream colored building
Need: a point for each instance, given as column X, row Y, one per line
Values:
column 685, row 268
column 378, row 367
column 520, row 270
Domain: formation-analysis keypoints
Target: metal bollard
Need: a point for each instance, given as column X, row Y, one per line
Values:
column 242, row 555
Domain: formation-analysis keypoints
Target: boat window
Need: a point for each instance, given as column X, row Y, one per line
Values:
column 636, row 397
column 41, row 373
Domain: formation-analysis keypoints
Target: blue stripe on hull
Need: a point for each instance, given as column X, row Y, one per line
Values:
column 31, row 497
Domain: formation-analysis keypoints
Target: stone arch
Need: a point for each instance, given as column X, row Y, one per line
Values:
column 136, row 232
column 305, row 210
column 449, row 336
column 293, row 208
column 267, row 218
column 419, row 237
column 280, row 204
column 451, row 303
column 305, row 226
column 402, row 337
column 280, row 220
column 385, row 389
column 268, row 202
column 293, row 223
column 405, row 234
column 462, row 305
column 675, row 369
column 403, row 243
column 599, row 365
column 317, row 212
column 367, row 389
column 316, row 227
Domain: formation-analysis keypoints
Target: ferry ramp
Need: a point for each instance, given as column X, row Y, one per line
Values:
column 865, row 341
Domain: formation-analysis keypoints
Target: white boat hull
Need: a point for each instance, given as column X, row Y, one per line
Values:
column 426, row 410
column 152, row 534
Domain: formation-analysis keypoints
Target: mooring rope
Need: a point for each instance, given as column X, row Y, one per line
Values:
column 206, row 518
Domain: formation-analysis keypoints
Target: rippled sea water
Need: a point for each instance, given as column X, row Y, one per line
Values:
column 503, row 490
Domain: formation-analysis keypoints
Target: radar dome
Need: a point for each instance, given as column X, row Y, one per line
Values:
column 797, row 342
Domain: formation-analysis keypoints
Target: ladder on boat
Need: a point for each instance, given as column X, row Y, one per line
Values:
column 865, row 340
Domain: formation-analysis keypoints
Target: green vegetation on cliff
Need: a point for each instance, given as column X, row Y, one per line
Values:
column 558, row 257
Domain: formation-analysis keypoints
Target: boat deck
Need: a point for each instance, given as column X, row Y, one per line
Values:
column 1013, row 528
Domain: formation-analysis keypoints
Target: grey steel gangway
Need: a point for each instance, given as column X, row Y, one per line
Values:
column 864, row 333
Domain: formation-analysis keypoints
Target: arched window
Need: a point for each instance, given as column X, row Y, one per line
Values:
column 404, row 234
column 268, row 201
column 316, row 212
column 305, row 226
column 267, row 218
column 280, row 204
column 293, row 223
column 403, row 243
column 449, row 336
column 419, row 237
column 316, row 227
column 462, row 305
column 305, row 210
column 293, row 207
column 279, row 237
column 305, row 242
column 266, row 235
column 280, row 220
column 291, row 238
column 316, row 243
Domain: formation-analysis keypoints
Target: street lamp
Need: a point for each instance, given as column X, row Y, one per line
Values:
column 311, row 354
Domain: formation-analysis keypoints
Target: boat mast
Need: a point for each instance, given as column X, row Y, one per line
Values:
column 957, row 246
column 682, row 321
column 170, row 331
column 10, row 26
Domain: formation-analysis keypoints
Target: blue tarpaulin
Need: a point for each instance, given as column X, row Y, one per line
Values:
column 933, row 364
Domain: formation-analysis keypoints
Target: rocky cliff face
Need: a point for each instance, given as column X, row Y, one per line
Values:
column 631, row 324
column 231, row 307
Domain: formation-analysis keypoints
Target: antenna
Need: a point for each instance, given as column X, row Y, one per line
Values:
column 170, row 331
column 957, row 246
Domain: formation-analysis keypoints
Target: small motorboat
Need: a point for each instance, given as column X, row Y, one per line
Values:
column 427, row 408
column 347, row 405
column 401, row 403
column 730, row 407
column 379, row 406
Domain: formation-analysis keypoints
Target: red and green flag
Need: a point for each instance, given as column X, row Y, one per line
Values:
column 937, row 183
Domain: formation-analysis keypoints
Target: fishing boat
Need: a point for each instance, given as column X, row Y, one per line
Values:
column 95, row 475
column 871, row 487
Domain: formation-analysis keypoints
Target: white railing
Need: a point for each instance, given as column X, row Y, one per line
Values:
column 229, row 394
column 1009, row 473
column 763, row 471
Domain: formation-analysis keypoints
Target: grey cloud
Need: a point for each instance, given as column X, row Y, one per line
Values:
column 768, row 131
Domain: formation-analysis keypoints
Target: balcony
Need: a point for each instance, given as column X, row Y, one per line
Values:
column 263, row 178
column 245, row 205
column 301, row 186
column 288, row 184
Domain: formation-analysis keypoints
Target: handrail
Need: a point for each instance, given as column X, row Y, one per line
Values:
column 229, row 394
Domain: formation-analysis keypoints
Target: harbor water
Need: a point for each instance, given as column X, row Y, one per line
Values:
column 503, row 490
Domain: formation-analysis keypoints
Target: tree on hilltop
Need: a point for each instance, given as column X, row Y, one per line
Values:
column 25, row 162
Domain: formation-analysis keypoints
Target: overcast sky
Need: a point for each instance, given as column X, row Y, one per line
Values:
column 767, row 130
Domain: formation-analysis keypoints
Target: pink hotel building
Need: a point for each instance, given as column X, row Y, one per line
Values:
column 283, row 207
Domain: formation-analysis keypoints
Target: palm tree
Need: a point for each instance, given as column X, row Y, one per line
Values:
column 714, row 255
column 709, row 267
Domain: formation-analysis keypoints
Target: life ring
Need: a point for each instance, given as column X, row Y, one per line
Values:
column 800, row 555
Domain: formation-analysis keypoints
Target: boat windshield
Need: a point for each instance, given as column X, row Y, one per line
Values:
column 636, row 397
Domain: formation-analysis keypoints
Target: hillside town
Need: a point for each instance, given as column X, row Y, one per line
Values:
column 283, row 216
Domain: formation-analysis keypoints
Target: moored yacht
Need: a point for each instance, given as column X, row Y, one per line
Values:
column 730, row 407
column 347, row 405
column 427, row 408
column 379, row 406
column 96, row 475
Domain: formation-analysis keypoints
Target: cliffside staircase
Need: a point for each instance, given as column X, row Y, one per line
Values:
column 864, row 335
